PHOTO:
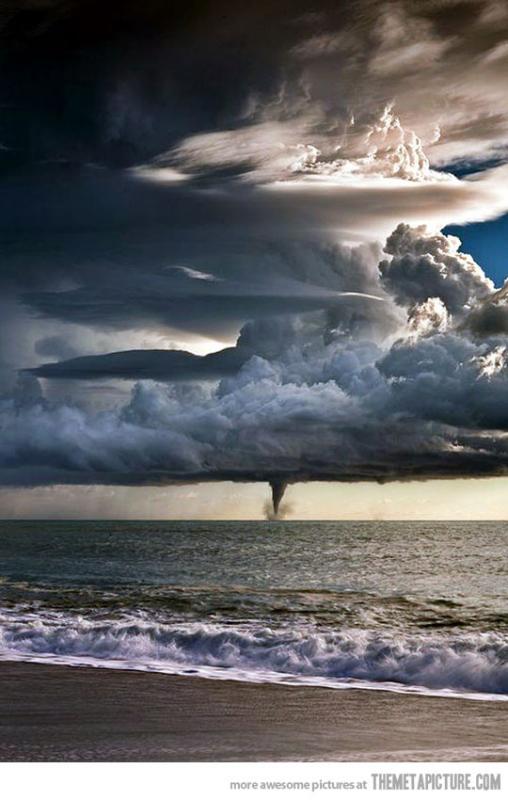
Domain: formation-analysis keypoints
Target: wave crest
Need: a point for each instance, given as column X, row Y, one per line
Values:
column 472, row 663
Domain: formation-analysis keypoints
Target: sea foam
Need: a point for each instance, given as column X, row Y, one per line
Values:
column 473, row 664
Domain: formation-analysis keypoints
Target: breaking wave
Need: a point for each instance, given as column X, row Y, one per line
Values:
column 473, row 664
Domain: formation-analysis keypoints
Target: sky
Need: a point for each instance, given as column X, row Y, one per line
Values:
column 246, row 247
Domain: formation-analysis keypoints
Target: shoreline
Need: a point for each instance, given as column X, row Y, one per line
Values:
column 66, row 713
column 220, row 674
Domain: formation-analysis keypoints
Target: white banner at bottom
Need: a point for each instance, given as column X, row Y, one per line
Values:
column 252, row 780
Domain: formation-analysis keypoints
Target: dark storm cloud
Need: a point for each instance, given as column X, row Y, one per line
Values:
column 208, row 168
column 489, row 320
column 307, row 399
column 185, row 299
column 218, row 105
column 55, row 347
column 119, row 83
column 353, row 414
column 425, row 265
column 91, row 228
column 490, row 317
column 157, row 365
column 450, row 379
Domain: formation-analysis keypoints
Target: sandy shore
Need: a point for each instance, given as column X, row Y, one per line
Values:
column 52, row 713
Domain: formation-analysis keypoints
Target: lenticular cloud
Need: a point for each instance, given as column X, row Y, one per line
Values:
column 397, row 382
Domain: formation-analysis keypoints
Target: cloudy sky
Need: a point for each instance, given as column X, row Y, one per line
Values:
column 244, row 246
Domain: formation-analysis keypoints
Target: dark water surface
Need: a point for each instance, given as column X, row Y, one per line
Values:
column 412, row 607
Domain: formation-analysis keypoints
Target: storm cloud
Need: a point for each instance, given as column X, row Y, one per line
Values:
column 242, row 211
column 120, row 84
column 321, row 403
column 426, row 265
column 161, row 365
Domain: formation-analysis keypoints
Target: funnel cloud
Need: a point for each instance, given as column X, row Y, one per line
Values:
column 278, row 488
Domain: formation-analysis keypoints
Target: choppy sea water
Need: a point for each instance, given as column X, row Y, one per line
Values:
column 405, row 607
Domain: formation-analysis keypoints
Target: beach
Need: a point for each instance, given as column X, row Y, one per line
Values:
column 58, row 713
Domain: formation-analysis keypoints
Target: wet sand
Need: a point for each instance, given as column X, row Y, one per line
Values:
column 55, row 713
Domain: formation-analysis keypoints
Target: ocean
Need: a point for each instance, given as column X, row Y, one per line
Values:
column 407, row 607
